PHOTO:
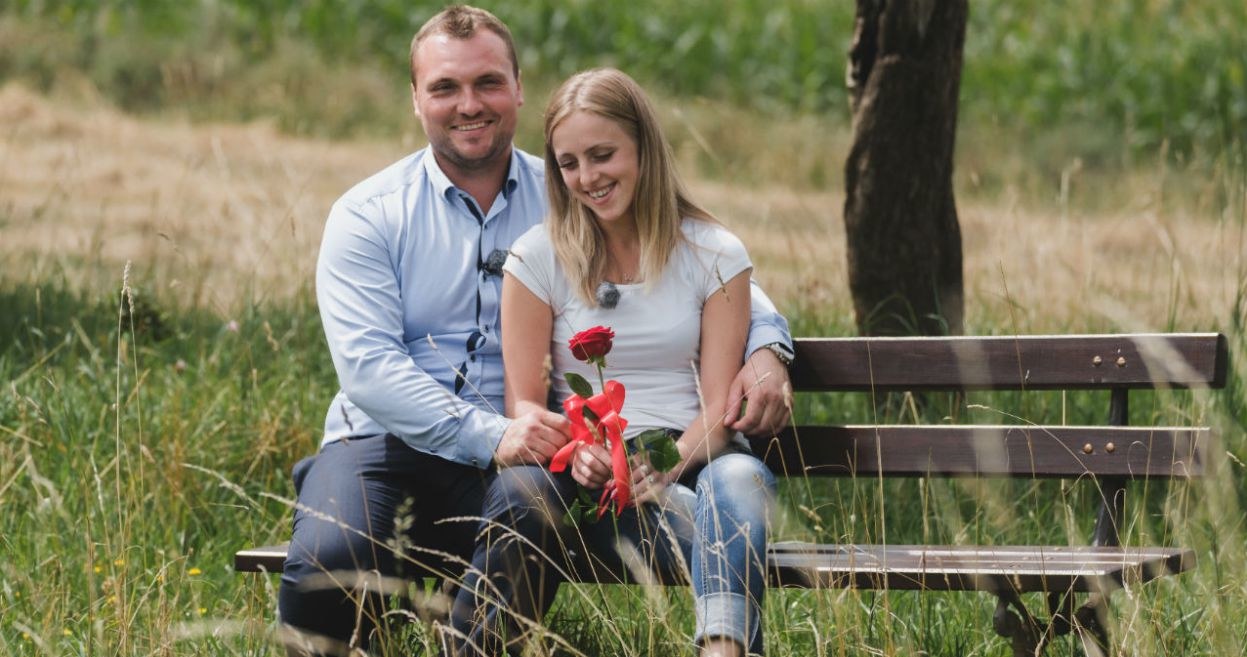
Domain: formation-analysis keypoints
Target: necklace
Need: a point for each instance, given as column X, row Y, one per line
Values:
column 623, row 277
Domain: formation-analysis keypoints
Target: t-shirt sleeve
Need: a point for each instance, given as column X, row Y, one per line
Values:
column 720, row 254
column 531, row 261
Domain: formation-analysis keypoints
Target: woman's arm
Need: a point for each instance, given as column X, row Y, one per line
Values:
column 527, row 324
column 724, row 329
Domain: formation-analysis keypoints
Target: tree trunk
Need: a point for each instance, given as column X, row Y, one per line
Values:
column 904, row 242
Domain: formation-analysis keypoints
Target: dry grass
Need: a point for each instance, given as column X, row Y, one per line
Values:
column 223, row 214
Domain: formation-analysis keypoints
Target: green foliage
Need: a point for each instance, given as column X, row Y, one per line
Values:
column 659, row 447
column 1144, row 72
column 135, row 457
column 578, row 384
column 133, row 462
column 1150, row 71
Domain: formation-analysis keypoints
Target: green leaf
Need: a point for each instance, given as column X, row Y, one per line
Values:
column 649, row 437
column 661, row 449
column 663, row 455
column 572, row 518
column 583, row 509
column 579, row 385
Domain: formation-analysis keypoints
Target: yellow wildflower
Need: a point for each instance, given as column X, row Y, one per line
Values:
column 194, row 571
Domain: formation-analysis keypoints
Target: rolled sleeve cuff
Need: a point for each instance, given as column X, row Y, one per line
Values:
column 479, row 435
column 762, row 335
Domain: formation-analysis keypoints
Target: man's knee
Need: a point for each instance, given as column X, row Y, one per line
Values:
column 524, row 500
column 523, row 488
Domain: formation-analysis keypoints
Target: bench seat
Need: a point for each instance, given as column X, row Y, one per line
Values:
column 997, row 569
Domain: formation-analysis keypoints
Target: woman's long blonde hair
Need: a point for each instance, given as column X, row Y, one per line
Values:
column 661, row 200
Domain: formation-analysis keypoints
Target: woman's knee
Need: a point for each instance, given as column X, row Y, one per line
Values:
column 739, row 474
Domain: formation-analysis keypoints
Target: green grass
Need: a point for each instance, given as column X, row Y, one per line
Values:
column 1133, row 74
column 139, row 452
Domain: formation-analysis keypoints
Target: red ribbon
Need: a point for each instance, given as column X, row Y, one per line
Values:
column 609, row 427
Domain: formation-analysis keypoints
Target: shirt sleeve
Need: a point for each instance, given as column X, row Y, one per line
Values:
column 357, row 291
column 723, row 257
column 766, row 325
column 532, row 263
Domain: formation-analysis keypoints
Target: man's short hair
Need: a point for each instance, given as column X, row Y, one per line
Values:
column 462, row 22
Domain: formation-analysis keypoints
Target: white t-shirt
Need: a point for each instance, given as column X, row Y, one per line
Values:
column 657, row 346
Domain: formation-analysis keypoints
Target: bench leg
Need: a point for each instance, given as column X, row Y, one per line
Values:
column 1029, row 637
column 1026, row 635
column 1090, row 625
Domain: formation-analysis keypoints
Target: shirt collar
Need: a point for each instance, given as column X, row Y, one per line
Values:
column 443, row 185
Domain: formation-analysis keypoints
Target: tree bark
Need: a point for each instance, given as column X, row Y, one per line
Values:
column 904, row 241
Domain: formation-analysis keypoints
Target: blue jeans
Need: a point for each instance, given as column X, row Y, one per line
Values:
column 369, row 508
column 714, row 521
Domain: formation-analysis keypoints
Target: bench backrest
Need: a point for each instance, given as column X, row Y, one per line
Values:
column 1109, row 362
column 1039, row 362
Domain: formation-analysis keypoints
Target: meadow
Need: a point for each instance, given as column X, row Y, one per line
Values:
column 163, row 365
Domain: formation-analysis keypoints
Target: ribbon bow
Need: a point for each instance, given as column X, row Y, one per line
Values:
column 605, row 425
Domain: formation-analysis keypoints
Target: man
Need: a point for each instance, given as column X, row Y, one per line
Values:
column 408, row 284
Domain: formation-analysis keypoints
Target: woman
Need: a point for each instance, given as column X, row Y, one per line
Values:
column 624, row 246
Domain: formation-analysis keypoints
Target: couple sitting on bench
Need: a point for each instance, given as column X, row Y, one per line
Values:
column 413, row 277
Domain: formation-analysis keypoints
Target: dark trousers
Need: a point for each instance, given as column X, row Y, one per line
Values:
column 369, row 509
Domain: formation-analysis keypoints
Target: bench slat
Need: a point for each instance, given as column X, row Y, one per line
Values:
column 1044, row 362
column 269, row 559
column 973, row 568
column 986, row 450
column 909, row 567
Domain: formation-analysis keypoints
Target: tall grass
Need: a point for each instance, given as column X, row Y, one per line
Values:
column 142, row 447
column 148, row 421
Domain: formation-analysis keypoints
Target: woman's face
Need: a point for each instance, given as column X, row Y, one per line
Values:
column 598, row 161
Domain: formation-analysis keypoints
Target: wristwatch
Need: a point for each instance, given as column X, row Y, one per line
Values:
column 781, row 351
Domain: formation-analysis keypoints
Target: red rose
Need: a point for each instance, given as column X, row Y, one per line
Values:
column 592, row 344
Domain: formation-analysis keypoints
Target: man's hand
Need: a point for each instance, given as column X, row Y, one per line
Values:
column 764, row 382
column 532, row 438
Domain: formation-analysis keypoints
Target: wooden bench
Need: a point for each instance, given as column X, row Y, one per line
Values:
column 1107, row 457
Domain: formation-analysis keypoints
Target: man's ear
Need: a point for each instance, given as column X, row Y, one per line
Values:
column 519, row 89
column 415, row 106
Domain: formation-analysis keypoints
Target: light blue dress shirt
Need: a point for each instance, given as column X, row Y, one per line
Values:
column 410, row 306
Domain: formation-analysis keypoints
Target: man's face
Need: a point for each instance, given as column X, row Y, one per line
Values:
column 467, row 97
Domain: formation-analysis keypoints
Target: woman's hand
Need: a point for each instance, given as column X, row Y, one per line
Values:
column 591, row 466
column 648, row 483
